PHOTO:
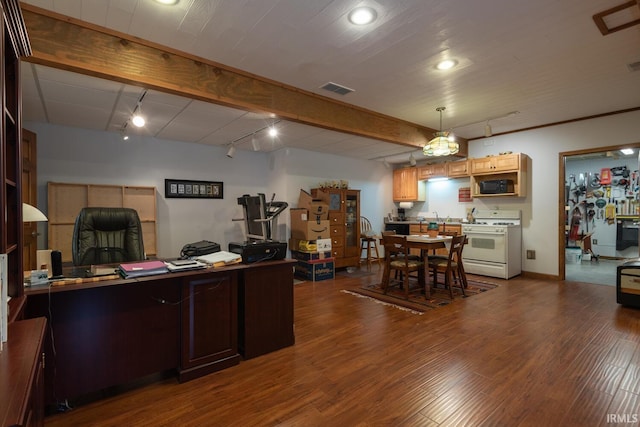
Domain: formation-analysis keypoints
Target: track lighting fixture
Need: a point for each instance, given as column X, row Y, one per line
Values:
column 412, row 160
column 231, row 151
column 255, row 144
column 138, row 119
column 487, row 130
column 273, row 131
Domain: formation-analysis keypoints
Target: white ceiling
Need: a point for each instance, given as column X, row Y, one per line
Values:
column 545, row 59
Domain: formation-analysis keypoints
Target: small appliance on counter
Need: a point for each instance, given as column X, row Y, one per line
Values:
column 402, row 216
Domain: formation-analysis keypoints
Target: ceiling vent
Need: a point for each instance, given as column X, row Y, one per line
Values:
column 634, row 66
column 336, row 88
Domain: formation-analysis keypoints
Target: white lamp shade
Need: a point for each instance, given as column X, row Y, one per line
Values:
column 32, row 214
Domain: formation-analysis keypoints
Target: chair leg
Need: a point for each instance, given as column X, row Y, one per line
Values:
column 448, row 280
column 405, row 282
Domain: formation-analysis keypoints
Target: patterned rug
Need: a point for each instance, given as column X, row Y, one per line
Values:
column 417, row 303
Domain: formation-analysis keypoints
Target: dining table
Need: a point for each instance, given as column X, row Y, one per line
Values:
column 428, row 244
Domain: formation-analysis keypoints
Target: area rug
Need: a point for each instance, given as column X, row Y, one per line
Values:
column 417, row 303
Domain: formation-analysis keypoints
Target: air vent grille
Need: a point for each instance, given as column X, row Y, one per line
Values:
column 634, row 66
column 336, row 88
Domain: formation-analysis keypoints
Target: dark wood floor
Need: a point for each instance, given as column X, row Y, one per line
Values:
column 529, row 353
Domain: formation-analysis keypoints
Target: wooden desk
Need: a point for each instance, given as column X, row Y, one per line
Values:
column 21, row 380
column 112, row 332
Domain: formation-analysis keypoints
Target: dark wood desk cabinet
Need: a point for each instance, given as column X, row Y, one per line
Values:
column 209, row 326
column 21, row 374
column 113, row 332
column 266, row 310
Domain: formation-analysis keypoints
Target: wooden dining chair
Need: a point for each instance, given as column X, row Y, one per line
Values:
column 398, row 259
column 451, row 265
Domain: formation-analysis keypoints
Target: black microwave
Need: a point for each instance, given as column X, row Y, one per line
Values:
column 496, row 186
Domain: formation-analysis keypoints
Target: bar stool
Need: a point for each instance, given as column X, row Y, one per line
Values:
column 368, row 242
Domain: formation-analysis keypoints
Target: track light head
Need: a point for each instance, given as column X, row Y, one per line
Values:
column 231, row 151
column 255, row 144
column 487, row 130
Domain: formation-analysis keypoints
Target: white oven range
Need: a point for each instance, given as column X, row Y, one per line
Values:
column 494, row 244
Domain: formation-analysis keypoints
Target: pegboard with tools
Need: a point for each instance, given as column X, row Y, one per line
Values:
column 600, row 196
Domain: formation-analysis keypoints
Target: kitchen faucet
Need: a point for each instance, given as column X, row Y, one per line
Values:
column 437, row 217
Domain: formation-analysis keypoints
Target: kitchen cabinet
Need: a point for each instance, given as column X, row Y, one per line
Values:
column 435, row 170
column 458, row 169
column 511, row 167
column 344, row 219
column 491, row 164
column 407, row 187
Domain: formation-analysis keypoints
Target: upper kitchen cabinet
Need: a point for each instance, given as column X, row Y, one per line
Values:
column 501, row 163
column 458, row 169
column 406, row 186
column 502, row 175
column 435, row 170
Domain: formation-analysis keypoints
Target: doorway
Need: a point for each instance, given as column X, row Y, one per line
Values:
column 600, row 189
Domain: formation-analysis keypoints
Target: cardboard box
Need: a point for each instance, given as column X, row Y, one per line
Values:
column 310, row 256
column 304, row 229
column 323, row 244
column 317, row 209
column 315, row 270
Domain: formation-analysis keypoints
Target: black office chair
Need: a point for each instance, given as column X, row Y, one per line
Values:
column 106, row 236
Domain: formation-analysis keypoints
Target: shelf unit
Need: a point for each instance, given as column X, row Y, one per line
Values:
column 14, row 44
column 344, row 218
column 67, row 199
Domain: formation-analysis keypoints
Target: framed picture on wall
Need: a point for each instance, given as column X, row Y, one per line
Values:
column 188, row 189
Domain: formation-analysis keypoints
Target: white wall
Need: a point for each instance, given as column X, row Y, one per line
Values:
column 75, row 155
column 83, row 156
column 540, row 209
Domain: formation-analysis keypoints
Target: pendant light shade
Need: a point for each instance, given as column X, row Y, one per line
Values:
column 443, row 144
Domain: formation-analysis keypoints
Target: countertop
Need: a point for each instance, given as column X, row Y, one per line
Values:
column 455, row 221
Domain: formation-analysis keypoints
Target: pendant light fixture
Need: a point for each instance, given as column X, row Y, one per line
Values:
column 443, row 144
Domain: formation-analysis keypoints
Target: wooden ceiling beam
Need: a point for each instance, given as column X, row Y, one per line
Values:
column 62, row 42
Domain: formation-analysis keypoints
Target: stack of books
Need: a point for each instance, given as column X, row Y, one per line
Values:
column 142, row 268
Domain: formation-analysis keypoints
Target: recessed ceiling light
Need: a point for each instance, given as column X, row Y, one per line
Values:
column 627, row 151
column 447, row 64
column 362, row 15
column 167, row 2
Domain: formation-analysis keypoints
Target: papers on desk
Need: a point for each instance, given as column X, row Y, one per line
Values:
column 142, row 268
column 221, row 258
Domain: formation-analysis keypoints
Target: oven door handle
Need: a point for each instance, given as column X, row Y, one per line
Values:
column 484, row 233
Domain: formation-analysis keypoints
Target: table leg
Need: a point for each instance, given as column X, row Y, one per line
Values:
column 427, row 283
